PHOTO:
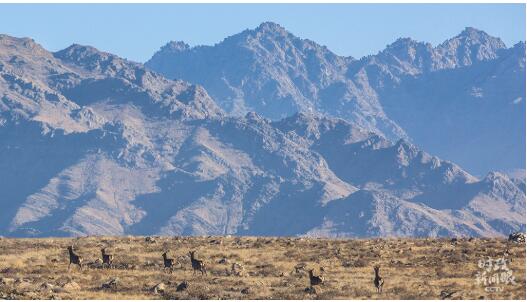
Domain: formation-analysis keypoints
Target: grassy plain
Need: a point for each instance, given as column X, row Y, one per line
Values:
column 411, row 268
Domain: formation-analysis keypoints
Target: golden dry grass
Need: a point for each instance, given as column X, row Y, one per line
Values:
column 412, row 268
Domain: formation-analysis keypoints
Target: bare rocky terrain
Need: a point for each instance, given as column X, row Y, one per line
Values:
column 93, row 144
column 463, row 99
column 264, row 268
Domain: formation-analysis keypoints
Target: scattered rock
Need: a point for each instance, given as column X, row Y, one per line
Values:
column 23, row 284
column 6, row 296
column 237, row 269
column 6, row 281
column 71, row 286
column 46, row 287
column 182, row 286
column 300, row 268
column 310, row 290
column 517, row 237
column 150, row 240
column 446, row 294
column 159, row 288
column 216, row 241
column 111, row 284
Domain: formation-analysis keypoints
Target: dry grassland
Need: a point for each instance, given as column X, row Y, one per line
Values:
column 267, row 268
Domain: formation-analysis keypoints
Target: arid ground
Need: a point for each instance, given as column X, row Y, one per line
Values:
column 266, row 268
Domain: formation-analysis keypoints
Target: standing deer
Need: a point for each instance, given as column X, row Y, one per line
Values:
column 197, row 265
column 378, row 281
column 74, row 258
column 168, row 262
column 107, row 259
column 315, row 280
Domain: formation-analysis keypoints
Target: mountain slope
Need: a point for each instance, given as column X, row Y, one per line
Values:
column 94, row 144
column 137, row 153
column 270, row 71
column 463, row 99
column 469, row 92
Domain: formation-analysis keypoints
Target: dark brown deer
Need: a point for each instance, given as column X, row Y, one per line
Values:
column 378, row 281
column 315, row 280
column 168, row 262
column 107, row 259
column 197, row 265
column 74, row 258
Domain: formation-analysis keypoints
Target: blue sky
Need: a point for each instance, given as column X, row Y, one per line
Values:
column 136, row 31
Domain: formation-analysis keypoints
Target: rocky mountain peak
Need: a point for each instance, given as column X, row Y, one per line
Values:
column 20, row 47
column 410, row 54
column 470, row 46
column 271, row 27
column 78, row 53
column 520, row 47
column 93, row 60
column 402, row 43
column 174, row 47
column 476, row 36
column 28, row 43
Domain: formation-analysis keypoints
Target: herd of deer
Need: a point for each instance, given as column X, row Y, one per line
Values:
column 199, row 265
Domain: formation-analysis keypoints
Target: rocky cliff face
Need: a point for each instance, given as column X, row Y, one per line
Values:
column 95, row 144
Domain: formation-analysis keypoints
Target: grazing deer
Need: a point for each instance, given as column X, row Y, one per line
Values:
column 197, row 265
column 315, row 280
column 107, row 259
column 378, row 281
column 168, row 262
column 74, row 258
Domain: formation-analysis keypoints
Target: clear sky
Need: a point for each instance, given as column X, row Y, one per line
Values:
column 136, row 31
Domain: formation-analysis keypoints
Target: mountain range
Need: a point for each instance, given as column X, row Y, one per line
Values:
column 288, row 140
column 466, row 94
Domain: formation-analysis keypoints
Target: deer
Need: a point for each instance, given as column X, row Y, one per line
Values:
column 197, row 265
column 314, row 280
column 378, row 281
column 168, row 263
column 107, row 259
column 74, row 258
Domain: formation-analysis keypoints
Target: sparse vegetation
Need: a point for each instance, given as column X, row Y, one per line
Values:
column 265, row 268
